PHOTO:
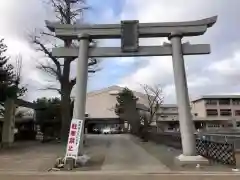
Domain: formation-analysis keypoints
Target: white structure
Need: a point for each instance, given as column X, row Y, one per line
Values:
column 101, row 103
column 129, row 32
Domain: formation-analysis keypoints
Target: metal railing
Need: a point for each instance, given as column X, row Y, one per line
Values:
column 216, row 151
column 222, row 138
column 218, row 148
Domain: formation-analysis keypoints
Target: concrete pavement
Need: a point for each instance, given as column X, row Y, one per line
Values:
column 107, row 152
column 121, row 157
column 123, row 154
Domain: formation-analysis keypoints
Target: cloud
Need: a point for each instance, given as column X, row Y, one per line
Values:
column 206, row 74
column 18, row 20
column 228, row 67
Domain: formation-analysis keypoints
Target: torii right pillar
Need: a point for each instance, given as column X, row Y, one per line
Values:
column 189, row 155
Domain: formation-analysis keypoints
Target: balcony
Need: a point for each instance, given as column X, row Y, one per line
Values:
column 225, row 112
column 224, row 102
column 168, row 110
column 211, row 102
column 211, row 112
column 236, row 102
column 167, row 117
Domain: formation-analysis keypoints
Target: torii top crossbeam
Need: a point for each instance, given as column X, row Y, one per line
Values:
column 111, row 31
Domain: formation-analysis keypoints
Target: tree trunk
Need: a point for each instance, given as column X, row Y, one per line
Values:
column 145, row 129
column 133, row 117
column 65, row 98
column 66, row 114
column 9, row 123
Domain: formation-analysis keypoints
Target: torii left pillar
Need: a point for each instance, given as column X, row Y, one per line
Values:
column 81, row 84
column 9, row 123
column 81, row 90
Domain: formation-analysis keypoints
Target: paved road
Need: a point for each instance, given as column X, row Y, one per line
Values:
column 122, row 154
column 123, row 159
column 126, row 176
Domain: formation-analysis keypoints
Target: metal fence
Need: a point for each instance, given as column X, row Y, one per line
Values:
column 222, row 138
column 216, row 150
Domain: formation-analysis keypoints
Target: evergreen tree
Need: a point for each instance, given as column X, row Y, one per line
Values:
column 126, row 108
column 6, row 72
column 9, row 78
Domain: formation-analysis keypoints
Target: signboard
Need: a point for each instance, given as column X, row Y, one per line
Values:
column 74, row 138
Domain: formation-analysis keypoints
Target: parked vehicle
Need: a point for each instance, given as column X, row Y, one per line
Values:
column 106, row 131
column 115, row 131
column 96, row 131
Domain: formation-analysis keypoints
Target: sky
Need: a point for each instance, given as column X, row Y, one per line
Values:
column 217, row 73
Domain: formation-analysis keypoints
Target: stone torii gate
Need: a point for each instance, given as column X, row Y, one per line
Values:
column 129, row 32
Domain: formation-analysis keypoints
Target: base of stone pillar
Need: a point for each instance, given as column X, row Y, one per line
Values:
column 82, row 160
column 183, row 160
column 6, row 144
column 69, row 164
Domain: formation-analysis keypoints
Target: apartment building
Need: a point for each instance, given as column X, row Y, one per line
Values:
column 208, row 112
column 216, row 111
column 167, row 118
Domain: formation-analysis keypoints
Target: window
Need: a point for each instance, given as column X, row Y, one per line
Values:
column 211, row 102
column 237, row 112
column 225, row 112
column 212, row 112
column 236, row 101
column 214, row 125
column 224, row 101
column 238, row 124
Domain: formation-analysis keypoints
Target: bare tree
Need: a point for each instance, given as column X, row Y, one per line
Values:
column 154, row 99
column 67, row 12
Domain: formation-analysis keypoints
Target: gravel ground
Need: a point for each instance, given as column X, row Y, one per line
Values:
column 30, row 156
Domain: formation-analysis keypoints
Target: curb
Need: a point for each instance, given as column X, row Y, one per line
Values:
column 119, row 173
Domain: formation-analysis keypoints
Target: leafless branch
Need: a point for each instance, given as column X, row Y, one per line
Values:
column 92, row 62
column 50, row 69
column 155, row 99
column 51, row 89
column 18, row 68
column 44, row 49
column 67, row 12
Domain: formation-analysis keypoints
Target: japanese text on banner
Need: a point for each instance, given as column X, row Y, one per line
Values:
column 74, row 138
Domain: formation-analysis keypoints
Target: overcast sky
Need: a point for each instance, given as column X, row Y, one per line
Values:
column 217, row 73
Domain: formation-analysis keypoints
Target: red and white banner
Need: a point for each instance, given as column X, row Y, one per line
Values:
column 74, row 138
